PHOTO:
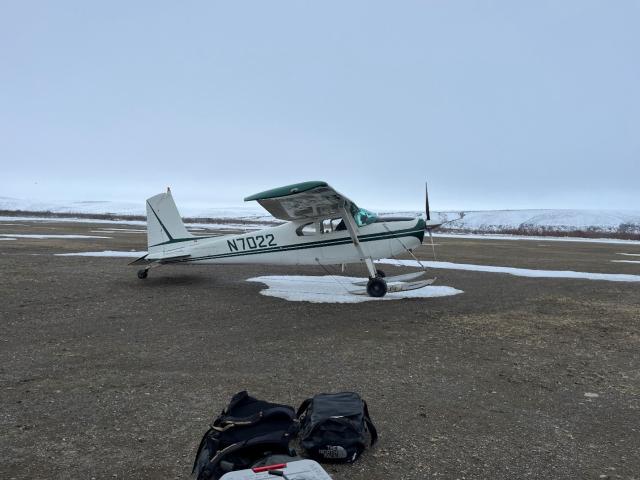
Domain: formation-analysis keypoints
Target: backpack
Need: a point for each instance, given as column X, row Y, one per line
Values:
column 333, row 427
column 247, row 430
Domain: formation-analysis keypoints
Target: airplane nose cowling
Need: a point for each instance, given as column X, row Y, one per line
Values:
column 420, row 226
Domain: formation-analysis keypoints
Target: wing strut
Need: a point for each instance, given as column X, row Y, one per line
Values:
column 353, row 232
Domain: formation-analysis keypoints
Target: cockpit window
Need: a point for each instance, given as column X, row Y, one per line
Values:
column 362, row 216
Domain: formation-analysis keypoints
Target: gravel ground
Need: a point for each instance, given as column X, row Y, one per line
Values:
column 103, row 375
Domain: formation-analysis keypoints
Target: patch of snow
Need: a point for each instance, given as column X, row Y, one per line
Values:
column 563, row 220
column 77, row 220
column 4, row 238
column 519, row 272
column 119, row 230
column 333, row 289
column 105, row 253
column 630, row 254
column 625, row 261
column 16, row 235
column 186, row 209
column 591, row 395
column 490, row 236
column 114, row 229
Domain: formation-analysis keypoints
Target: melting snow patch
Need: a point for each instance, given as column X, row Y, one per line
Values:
column 105, row 253
column 15, row 235
column 332, row 289
column 591, row 395
column 118, row 230
column 519, row 272
column 5, row 238
column 625, row 261
column 492, row 236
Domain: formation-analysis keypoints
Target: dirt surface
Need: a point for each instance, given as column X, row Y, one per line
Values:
column 107, row 376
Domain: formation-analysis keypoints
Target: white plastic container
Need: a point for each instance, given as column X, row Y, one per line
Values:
column 298, row 470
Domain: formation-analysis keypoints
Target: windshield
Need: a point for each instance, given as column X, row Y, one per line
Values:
column 362, row 216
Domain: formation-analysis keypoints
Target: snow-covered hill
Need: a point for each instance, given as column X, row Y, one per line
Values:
column 486, row 221
column 607, row 221
column 249, row 213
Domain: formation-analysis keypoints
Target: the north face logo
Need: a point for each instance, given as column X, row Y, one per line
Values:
column 333, row 451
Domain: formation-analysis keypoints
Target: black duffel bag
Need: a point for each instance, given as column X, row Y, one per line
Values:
column 245, row 432
column 334, row 427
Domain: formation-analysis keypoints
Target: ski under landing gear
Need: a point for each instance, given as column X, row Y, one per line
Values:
column 377, row 287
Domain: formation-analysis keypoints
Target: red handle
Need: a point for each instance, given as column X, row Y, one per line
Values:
column 277, row 466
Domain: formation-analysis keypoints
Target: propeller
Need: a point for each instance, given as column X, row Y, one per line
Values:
column 426, row 200
column 428, row 214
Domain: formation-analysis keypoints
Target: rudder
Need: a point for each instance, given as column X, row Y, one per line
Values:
column 164, row 223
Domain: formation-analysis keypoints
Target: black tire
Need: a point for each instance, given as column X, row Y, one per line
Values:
column 142, row 274
column 380, row 273
column 377, row 287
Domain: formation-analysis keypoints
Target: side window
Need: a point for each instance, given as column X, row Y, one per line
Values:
column 338, row 224
column 330, row 225
column 310, row 228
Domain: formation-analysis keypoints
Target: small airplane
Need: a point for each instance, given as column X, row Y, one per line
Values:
column 323, row 227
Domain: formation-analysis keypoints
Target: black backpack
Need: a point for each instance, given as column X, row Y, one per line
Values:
column 246, row 431
column 333, row 427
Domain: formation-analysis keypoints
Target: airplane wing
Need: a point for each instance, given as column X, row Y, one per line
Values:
column 302, row 200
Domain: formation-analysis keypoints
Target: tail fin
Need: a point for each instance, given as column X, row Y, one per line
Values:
column 164, row 224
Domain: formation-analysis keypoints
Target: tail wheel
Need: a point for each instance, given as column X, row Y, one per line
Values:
column 377, row 287
column 142, row 274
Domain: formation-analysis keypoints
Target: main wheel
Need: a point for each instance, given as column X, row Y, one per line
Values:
column 380, row 273
column 377, row 287
column 142, row 274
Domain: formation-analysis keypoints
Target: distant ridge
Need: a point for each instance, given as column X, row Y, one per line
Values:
column 624, row 224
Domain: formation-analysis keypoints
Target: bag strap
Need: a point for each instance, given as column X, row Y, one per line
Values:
column 270, row 439
column 303, row 407
column 222, row 424
column 372, row 429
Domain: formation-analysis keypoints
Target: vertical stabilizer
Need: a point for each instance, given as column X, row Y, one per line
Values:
column 164, row 224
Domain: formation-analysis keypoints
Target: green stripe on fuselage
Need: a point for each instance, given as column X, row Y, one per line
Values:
column 411, row 232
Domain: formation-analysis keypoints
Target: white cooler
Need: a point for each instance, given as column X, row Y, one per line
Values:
column 298, row 470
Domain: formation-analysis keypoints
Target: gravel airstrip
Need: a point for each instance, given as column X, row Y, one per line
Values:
column 103, row 375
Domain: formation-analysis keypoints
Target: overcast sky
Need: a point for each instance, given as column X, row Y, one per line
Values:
column 499, row 104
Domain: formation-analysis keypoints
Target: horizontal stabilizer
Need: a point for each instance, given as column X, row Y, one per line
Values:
column 398, row 278
column 158, row 258
column 142, row 260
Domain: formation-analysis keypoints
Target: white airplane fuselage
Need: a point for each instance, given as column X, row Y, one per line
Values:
column 288, row 244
